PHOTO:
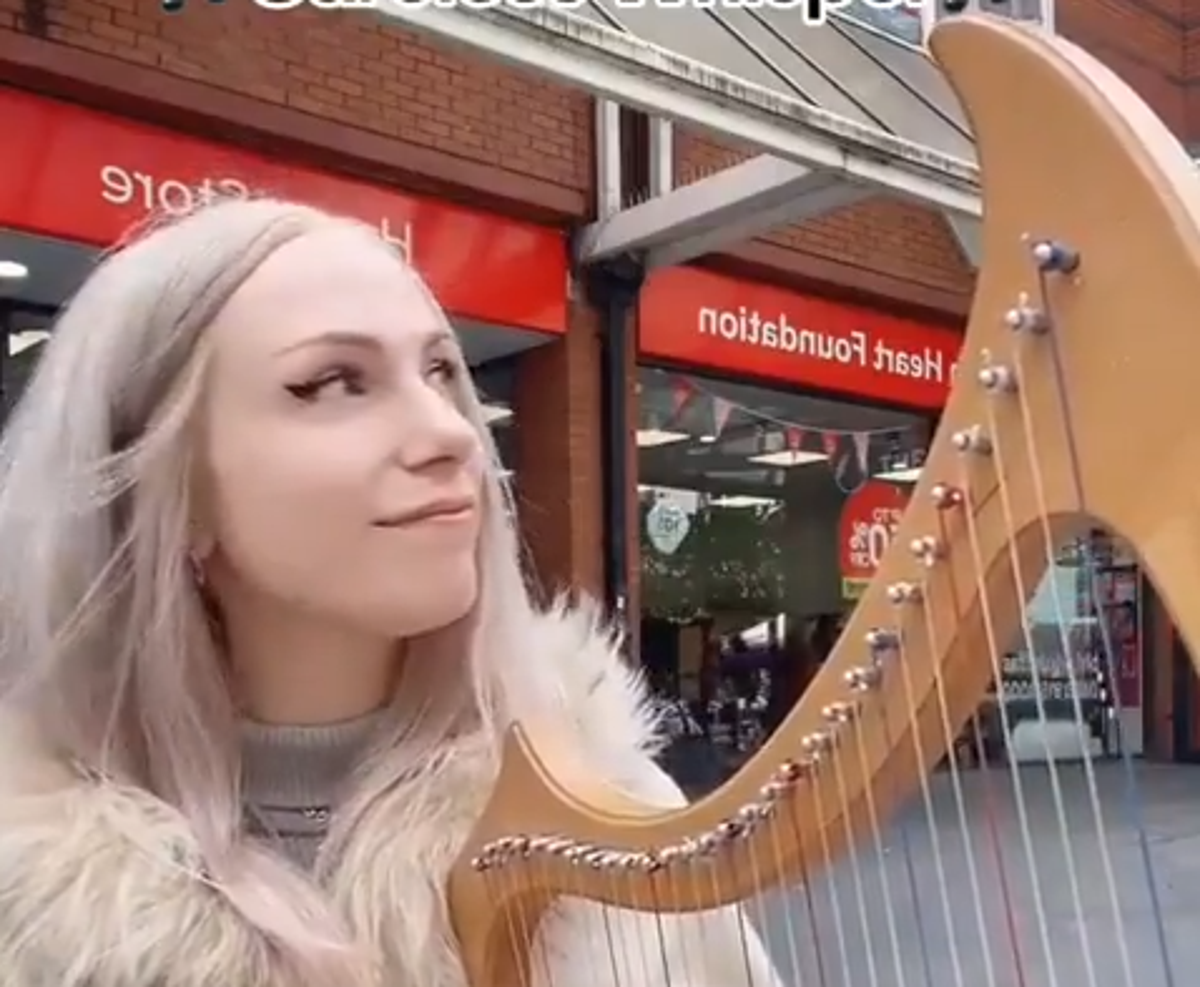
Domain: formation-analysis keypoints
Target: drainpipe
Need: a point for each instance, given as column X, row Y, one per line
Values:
column 612, row 288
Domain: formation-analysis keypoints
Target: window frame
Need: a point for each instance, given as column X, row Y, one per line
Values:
column 933, row 12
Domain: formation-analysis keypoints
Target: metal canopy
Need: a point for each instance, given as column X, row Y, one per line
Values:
column 839, row 117
column 735, row 204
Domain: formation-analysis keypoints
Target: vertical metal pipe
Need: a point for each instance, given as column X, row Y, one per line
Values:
column 613, row 288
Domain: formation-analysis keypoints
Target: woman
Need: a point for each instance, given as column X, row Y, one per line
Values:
column 261, row 625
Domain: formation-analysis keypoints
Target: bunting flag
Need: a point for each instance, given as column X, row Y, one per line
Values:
column 721, row 410
column 862, row 450
column 840, row 464
column 681, row 393
column 840, row 455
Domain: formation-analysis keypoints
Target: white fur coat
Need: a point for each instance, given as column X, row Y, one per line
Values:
column 95, row 890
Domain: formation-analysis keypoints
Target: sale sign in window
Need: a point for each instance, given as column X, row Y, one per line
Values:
column 869, row 519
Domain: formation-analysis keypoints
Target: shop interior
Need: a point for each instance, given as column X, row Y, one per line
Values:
column 38, row 274
column 750, row 563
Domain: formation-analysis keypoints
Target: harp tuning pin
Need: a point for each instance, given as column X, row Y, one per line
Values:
column 839, row 713
column 972, row 440
column 816, row 745
column 672, row 854
column 925, row 548
column 650, row 863
column 879, row 640
column 1026, row 317
column 864, row 678
column 946, row 496
column 1054, row 257
column 758, row 811
column 998, row 379
column 787, row 773
column 899, row 593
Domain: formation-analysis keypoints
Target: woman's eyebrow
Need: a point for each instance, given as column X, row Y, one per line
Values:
column 361, row 340
column 337, row 337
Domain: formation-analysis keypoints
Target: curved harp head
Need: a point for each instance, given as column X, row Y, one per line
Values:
column 1072, row 408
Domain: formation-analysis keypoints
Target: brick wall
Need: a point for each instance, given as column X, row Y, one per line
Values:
column 351, row 68
column 1191, row 77
column 1143, row 42
column 559, row 483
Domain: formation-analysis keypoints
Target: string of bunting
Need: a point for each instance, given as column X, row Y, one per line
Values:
column 685, row 392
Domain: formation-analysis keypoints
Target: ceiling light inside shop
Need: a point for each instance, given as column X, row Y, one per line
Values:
column 789, row 458
column 910, row 474
column 493, row 414
column 648, row 438
column 19, row 342
column 13, row 270
column 655, row 490
column 743, row 500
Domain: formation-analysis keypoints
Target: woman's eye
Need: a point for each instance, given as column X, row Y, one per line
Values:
column 349, row 381
column 443, row 370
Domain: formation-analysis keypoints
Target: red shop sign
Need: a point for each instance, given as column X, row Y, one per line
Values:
column 868, row 522
column 73, row 174
column 714, row 321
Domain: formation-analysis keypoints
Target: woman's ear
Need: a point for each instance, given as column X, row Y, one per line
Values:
column 201, row 545
column 202, row 539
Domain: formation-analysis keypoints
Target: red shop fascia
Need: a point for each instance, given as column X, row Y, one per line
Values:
column 73, row 174
column 702, row 320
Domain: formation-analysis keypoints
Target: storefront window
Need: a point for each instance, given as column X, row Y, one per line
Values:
column 25, row 329
column 1089, row 601
column 760, row 518
column 902, row 21
column 496, row 381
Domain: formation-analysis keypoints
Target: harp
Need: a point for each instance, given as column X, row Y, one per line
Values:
column 889, row 863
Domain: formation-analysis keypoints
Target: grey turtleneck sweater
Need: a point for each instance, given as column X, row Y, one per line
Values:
column 292, row 776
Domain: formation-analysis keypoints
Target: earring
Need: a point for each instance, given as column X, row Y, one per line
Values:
column 197, row 568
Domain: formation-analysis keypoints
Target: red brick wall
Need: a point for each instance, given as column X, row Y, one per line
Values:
column 904, row 243
column 559, row 483
column 1191, row 76
column 1140, row 40
column 351, row 68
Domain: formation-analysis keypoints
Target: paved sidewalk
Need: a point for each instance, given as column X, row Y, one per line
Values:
column 1170, row 800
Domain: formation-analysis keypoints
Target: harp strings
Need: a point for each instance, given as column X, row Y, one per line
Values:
column 990, row 874
column 1135, row 814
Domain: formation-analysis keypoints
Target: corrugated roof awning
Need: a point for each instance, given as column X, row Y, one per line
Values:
column 843, row 66
column 840, row 111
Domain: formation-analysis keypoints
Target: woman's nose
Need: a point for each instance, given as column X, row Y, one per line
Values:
column 435, row 431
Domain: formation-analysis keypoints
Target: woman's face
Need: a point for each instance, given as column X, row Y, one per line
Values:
column 339, row 478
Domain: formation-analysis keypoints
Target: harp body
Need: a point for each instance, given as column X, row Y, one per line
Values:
column 1072, row 407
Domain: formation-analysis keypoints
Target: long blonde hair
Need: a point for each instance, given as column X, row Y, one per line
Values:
column 105, row 641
